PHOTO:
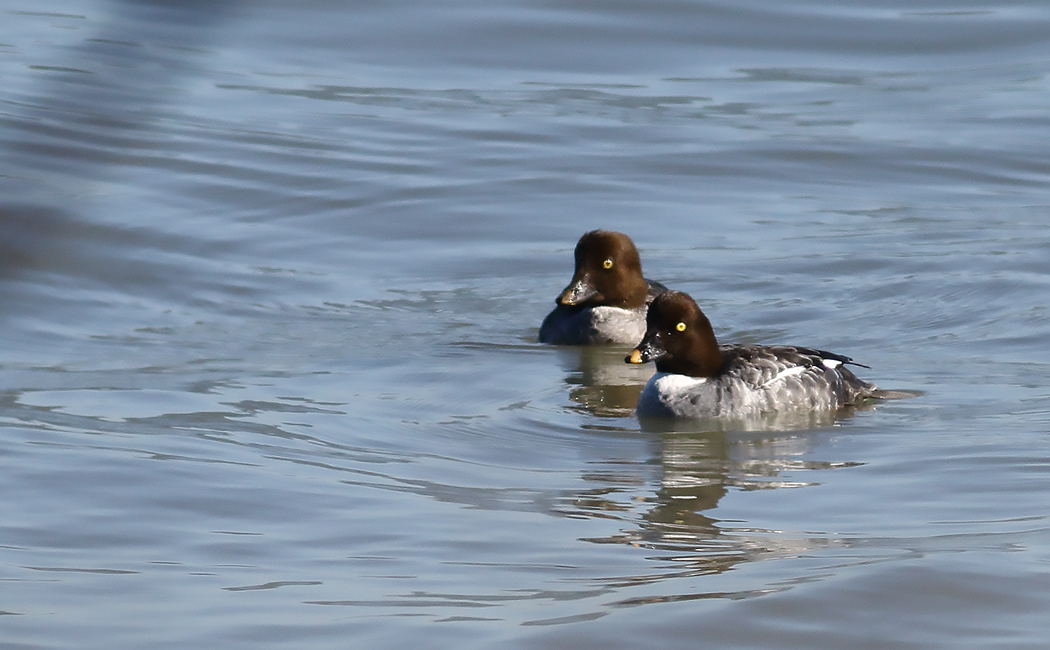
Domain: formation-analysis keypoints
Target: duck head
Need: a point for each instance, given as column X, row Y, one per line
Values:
column 678, row 337
column 608, row 272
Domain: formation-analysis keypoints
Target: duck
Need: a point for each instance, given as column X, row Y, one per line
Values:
column 698, row 378
column 608, row 297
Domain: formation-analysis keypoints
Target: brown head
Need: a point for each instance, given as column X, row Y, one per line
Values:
column 678, row 337
column 608, row 272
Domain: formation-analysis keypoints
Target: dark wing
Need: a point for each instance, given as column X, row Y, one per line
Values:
column 758, row 364
column 655, row 289
column 824, row 354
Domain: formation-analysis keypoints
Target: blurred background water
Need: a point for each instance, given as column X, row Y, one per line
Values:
column 271, row 276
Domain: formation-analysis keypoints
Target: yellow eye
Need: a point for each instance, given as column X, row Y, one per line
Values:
column 680, row 327
column 607, row 264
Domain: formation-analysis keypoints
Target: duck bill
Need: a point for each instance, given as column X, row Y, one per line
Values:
column 578, row 292
column 648, row 350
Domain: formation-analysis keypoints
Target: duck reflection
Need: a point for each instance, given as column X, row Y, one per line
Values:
column 699, row 462
column 695, row 473
column 697, row 468
column 601, row 383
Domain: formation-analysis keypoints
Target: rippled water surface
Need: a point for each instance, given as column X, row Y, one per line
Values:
column 271, row 276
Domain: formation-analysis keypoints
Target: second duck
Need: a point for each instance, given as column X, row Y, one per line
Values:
column 608, row 297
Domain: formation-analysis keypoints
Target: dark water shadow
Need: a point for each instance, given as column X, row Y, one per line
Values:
column 92, row 107
column 89, row 116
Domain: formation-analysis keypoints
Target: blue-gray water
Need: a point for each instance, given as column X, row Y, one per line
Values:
column 271, row 275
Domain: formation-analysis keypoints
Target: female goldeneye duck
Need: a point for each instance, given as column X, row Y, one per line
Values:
column 697, row 378
column 606, row 300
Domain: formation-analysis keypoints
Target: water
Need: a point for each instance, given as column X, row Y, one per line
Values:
column 272, row 273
